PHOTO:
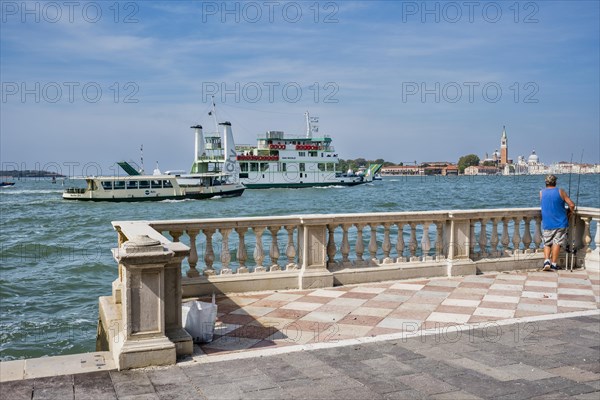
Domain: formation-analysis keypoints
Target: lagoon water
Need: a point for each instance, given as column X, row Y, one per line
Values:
column 56, row 261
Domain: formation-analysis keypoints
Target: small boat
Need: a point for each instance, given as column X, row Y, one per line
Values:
column 7, row 184
column 155, row 188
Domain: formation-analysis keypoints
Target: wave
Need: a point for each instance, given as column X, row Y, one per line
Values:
column 33, row 191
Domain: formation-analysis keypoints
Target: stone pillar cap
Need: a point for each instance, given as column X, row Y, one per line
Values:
column 141, row 244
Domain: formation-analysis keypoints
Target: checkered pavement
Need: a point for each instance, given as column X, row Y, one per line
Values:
column 284, row 318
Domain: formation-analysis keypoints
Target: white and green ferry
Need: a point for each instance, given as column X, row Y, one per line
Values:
column 277, row 160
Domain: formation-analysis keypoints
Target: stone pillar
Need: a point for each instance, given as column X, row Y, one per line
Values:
column 313, row 257
column 457, row 236
column 142, row 338
column 592, row 257
column 184, row 344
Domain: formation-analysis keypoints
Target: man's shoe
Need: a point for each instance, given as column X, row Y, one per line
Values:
column 547, row 266
column 555, row 268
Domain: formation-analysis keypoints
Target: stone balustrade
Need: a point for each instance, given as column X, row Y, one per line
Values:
column 305, row 251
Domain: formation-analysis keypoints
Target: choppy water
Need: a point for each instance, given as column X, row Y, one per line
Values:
column 55, row 254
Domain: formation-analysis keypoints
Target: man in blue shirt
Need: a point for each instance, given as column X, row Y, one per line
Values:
column 555, row 221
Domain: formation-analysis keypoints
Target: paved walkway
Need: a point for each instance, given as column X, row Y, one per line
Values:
column 290, row 318
column 513, row 335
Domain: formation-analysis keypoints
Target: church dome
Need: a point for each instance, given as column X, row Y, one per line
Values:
column 533, row 158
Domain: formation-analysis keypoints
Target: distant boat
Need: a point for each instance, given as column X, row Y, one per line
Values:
column 53, row 179
column 155, row 188
column 7, row 184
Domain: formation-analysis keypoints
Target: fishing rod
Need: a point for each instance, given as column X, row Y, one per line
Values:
column 573, row 248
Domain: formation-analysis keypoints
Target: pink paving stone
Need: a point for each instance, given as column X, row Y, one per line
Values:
column 497, row 305
column 574, row 285
column 475, row 285
column 381, row 304
column 336, row 309
column 364, row 320
column 398, row 292
column 509, row 293
column 425, row 300
column 357, row 295
column 541, row 289
column 525, row 313
column 544, row 302
column 310, row 326
column 577, row 297
column 409, row 314
column 268, row 303
column 546, row 277
column 252, row 332
column 237, row 319
column 465, row 296
column 438, row 288
column 570, row 309
column 314, row 299
column 269, row 343
column 289, row 314
column 455, row 309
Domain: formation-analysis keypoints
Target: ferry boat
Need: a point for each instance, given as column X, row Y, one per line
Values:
column 277, row 160
column 155, row 188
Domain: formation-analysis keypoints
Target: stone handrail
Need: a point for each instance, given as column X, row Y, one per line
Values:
column 306, row 251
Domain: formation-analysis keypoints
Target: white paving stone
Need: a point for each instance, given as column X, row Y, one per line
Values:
column 327, row 293
column 448, row 317
column 497, row 286
column 539, row 295
column 501, row 299
column 549, row 284
column 407, row 286
column 461, row 302
column 366, row 289
column 494, row 312
column 406, row 325
column 301, row 305
column 577, row 304
column 347, row 301
column 371, row 311
column 581, row 292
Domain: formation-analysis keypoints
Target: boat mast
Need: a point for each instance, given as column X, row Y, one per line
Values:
column 308, row 130
column 142, row 159
column 214, row 114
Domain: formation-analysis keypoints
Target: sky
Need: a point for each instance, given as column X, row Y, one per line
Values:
column 85, row 84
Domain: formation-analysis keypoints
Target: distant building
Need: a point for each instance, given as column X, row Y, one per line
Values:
column 504, row 148
column 481, row 170
column 402, row 170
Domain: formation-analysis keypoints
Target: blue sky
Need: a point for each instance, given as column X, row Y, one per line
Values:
column 88, row 83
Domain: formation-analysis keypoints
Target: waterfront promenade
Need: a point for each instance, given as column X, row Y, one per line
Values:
column 512, row 335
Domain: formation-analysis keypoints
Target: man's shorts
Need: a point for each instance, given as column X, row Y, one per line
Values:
column 554, row 236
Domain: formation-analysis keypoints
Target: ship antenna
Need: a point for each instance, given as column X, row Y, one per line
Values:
column 142, row 159
column 308, row 130
column 214, row 114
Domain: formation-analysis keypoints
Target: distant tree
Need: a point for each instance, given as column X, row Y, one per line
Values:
column 489, row 163
column 467, row 161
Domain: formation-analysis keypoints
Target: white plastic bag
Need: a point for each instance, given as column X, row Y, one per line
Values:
column 199, row 319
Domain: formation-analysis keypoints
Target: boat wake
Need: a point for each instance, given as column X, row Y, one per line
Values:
column 330, row 187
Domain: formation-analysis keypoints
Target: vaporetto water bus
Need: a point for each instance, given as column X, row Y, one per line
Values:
column 155, row 188
column 277, row 160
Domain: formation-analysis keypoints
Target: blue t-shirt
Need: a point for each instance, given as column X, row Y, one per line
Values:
column 554, row 215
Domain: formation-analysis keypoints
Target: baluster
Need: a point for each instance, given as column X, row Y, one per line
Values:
column 373, row 244
column 597, row 237
column 494, row 239
column 274, row 249
column 537, row 236
column 345, row 248
column 209, row 256
column 193, row 257
column 425, row 242
column 439, row 241
column 504, row 240
column 290, row 251
column 175, row 235
column 412, row 243
column 400, row 243
column 241, row 254
column 483, row 237
column 386, row 246
column 259, row 255
column 472, row 239
column 527, row 235
column 331, row 250
column 587, row 238
column 225, row 256
column 516, row 240
column 359, row 248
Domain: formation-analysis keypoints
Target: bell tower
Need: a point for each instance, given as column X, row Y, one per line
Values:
column 504, row 147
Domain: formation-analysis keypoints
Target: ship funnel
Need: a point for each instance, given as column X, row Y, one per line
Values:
column 230, row 165
column 199, row 145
